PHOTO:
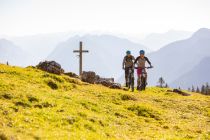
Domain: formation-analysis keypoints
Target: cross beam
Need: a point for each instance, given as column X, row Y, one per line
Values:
column 80, row 51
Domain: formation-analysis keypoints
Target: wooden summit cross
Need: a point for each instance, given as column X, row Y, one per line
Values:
column 80, row 51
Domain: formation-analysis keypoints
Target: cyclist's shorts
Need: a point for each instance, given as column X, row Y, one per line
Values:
column 139, row 71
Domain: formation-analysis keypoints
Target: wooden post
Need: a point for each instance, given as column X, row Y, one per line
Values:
column 80, row 60
column 80, row 51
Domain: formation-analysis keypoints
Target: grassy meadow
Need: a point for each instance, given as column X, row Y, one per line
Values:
column 38, row 105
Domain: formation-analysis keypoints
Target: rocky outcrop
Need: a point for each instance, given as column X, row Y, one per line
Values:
column 50, row 66
column 116, row 86
column 71, row 74
column 108, row 83
column 179, row 92
column 92, row 78
column 89, row 77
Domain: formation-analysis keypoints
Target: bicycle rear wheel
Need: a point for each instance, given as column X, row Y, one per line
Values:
column 132, row 84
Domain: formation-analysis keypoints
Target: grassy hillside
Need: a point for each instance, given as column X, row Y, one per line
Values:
column 38, row 105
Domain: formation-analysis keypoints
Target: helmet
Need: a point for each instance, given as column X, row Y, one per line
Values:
column 142, row 52
column 128, row 52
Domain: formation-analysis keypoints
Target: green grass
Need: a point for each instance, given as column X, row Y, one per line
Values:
column 38, row 105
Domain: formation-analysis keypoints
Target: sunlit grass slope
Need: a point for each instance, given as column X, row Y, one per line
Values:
column 39, row 105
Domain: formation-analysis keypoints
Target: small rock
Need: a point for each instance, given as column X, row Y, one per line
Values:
column 92, row 78
column 179, row 92
column 71, row 74
column 115, row 86
column 89, row 77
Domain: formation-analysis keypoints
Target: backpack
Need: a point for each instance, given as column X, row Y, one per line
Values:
column 128, row 59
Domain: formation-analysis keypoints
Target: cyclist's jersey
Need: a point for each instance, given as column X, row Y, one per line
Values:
column 141, row 61
column 128, row 61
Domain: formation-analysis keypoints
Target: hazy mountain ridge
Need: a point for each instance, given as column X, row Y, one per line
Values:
column 40, row 45
column 13, row 54
column 198, row 76
column 180, row 57
column 156, row 41
column 105, row 55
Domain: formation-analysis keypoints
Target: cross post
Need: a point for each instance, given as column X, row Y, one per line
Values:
column 80, row 51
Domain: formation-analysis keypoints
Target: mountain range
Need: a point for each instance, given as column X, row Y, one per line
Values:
column 180, row 62
column 180, row 57
column 155, row 41
column 105, row 55
column 13, row 54
column 198, row 76
column 41, row 45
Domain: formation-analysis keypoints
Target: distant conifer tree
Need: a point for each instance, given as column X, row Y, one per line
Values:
column 198, row 90
column 203, row 89
column 193, row 89
column 161, row 82
column 207, row 90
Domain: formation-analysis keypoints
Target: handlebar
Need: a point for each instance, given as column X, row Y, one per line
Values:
column 150, row 67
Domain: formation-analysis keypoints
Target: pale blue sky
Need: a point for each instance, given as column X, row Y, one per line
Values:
column 132, row 17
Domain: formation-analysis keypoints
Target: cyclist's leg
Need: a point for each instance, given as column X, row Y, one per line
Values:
column 132, row 76
column 139, row 78
column 132, row 80
column 126, row 76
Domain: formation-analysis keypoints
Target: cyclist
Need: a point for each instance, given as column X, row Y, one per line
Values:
column 128, row 63
column 140, row 61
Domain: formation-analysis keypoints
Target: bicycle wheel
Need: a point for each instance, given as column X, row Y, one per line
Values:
column 138, row 83
column 132, row 84
column 143, row 83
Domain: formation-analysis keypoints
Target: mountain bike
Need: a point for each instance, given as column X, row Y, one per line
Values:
column 142, row 80
column 130, row 79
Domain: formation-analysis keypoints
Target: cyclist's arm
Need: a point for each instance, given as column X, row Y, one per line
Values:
column 148, row 61
column 133, row 58
column 136, row 60
column 123, row 64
